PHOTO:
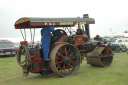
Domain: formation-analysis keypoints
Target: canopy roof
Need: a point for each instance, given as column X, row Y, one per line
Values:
column 57, row 22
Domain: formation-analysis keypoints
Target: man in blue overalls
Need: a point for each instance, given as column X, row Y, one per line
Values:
column 45, row 32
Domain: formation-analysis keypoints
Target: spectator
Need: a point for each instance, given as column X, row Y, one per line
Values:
column 37, row 46
column 16, row 50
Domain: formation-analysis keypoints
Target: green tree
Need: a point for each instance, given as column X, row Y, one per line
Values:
column 125, row 31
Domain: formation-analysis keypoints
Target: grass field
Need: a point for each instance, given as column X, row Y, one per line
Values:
column 116, row 74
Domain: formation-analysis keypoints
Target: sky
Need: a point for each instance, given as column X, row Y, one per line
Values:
column 107, row 14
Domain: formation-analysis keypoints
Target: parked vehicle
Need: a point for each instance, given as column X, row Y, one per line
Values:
column 123, row 41
column 118, row 47
column 119, row 44
column 6, row 48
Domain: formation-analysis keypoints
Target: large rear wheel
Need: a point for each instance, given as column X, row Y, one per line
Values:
column 65, row 60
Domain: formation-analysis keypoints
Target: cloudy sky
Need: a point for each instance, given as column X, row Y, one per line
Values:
column 107, row 14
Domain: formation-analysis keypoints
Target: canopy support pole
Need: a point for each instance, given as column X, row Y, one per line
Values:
column 22, row 33
column 31, row 33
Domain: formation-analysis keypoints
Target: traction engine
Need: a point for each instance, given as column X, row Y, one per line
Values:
column 65, row 52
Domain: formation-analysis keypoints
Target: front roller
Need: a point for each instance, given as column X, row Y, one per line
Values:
column 65, row 60
column 98, row 57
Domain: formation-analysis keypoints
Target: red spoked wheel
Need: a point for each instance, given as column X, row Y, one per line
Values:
column 65, row 60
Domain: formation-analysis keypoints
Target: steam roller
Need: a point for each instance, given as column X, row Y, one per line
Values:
column 68, row 46
column 99, row 57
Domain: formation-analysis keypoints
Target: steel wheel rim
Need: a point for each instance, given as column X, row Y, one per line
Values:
column 65, row 60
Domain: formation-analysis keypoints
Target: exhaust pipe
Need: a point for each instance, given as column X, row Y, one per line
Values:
column 87, row 26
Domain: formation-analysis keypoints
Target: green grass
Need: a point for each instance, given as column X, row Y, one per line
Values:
column 115, row 74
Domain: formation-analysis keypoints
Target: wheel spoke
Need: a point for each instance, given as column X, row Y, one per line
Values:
column 58, row 58
column 68, row 50
column 60, row 54
column 64, row 69
column 58, row 66
column 68, row 68
column 72, row 57
column 72, row 61
column 61, row 51
column 23, row 62
column 65, row 51
column 59, row 62
column 70, row 65
column 70, row 54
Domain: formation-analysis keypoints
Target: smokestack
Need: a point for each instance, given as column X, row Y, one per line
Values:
column 87, row 26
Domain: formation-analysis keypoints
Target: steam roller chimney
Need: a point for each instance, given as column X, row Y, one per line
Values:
column 87, row 26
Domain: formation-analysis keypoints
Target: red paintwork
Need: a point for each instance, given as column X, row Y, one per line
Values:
column 78, row 39
column 61, row 40
column 24, row 43
column 35, row 59
column 106, row 48
column 28, row 25
column 85, row 36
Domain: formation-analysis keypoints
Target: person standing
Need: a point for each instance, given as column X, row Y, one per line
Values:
column 16, row 50
column 37, row 46
column 46, row 36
